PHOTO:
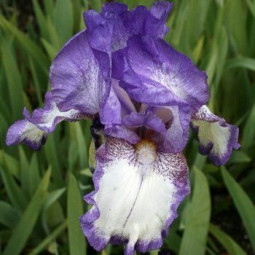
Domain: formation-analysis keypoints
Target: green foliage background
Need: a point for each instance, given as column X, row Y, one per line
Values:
column 41, row 192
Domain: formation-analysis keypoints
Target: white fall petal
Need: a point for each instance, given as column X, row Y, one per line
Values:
column 139, row 192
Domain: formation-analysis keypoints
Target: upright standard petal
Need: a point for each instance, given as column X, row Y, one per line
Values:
column 130, row 181
column 161, row 9
column 106, row 30
column 216, row 137
column 76, row 78
column 142, row 21
column 152, row 72
column 110, row 29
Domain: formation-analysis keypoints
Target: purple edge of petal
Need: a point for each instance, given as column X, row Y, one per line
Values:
column 21, row 124
column 98, row 243
column 232, row 144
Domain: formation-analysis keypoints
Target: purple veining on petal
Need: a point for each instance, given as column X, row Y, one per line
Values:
column 205, row 114
column 110, row 151
column 152, row 72
column 80, row 80
column 76, row 78
column 134, row 203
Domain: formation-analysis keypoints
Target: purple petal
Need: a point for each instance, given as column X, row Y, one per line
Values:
column 111, row 9
column 128, row 182
column 152, row 72
column 23, row 131
column 178, row 133
column 109, row 30
column 106, row 31
column 120, row 131
column 177, row 122
column 114, row 13
column 99, row 31
column 126, row 102
column 142, row 21
column 161, row 9
column 216, row 137
column 33, row 130
column 111, row 110
column 76, row 78
column 147, row 119
column 117, row 105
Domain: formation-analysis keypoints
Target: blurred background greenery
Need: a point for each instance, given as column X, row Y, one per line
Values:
column 41, row 192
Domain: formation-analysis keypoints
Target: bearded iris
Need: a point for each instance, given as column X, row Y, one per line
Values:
column 146, row 96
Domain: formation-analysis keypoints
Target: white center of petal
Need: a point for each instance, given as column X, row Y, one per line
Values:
column 170, row 80
column 133, row 205
column 212, row 132
column 146, row 152
column 32, row 132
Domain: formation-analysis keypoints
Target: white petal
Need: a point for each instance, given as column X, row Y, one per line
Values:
column 136, row 201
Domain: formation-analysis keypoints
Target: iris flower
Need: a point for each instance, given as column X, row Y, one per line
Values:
column 145, row 95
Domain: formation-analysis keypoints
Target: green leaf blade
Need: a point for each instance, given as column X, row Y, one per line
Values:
column 226, row 241
column 74, row 211
column 26, row 224
column 197, row 218
column 243, row 204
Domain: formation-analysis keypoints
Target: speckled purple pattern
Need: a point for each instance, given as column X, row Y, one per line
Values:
column 152, row 72
column 76, row 77
column 205, row 114
column 117, row 148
